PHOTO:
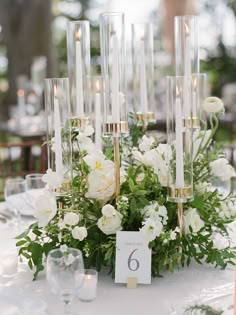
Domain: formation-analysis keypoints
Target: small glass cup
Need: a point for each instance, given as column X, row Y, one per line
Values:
column 88, row 291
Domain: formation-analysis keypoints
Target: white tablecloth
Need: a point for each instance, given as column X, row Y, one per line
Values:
column 114, row 299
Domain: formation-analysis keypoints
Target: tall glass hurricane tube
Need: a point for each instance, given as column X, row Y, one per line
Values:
column 112, row 39
column 143, row 70
column 180, row 174
column 186, row 58
column 57, row 105
column 78, row 57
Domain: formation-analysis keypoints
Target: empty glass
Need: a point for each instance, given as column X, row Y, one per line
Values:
column 14, row 193
column 65, row 274
column 34, row 187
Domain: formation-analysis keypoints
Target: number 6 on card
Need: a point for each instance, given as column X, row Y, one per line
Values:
column 133, row 258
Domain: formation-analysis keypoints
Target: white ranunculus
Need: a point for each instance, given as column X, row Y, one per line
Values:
column 46, row 209
column 71, row 218
column 219, row 241
column 213, row 105
column 193, row 219
column 108, row 211
column 146, row 143
column 222, row 169
column 200, row 138
column 110, row 225
column 151, row 229
column 79, row 233
column 96, row 161
column 52, row 179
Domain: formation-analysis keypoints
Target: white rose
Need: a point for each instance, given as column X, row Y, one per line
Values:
column 71, row 218
column 193, row 219
column 46, row 209
column 79, row 233
column 151, row 229
column 108, row 211
column 222, row 169
column 219, row 241
column 110, row 225
column 52, row 179
column 213, row 105
column 146, row 143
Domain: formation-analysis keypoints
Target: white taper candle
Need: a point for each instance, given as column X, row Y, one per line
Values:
column 58, row 145
column 179, row 143
column 115, row 103
column 143, row 80
column 79, row 79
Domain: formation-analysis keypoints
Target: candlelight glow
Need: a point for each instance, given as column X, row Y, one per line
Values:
column 55, row 90
column 195, row 83
column 78, row 34
column 20, row 93
column 177, row 91
column 97, row 86
column 186, row 29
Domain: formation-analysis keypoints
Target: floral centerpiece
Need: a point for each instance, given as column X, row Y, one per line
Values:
column 88, row 215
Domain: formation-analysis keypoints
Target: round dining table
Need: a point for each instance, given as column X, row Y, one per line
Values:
column 161, row 297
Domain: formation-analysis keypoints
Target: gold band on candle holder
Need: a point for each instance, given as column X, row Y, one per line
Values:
column 191, row 122
column 185, row 192
column 115, row 128
column 65, row 187
column 80, row 122
column 146, row 117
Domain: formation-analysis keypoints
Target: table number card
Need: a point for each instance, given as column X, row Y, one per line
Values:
column 133, row 258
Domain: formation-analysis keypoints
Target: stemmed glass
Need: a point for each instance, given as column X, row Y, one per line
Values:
column 14, row 193
column 65, row 274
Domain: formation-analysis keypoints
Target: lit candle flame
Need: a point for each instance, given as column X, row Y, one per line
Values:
column 78, row 34
column 186, row 29
column 20, row 93
column 177, row 91
column 195, row 83
column 97, row 86
column 55, row 91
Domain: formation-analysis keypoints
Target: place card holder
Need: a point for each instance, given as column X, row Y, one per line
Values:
column 132, row 283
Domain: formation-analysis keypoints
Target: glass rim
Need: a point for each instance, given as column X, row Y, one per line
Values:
column 89, row 271
column 59, row 79
column 78, row 22
column 112, row 14
column 12, row 180
column 183, row 17
column 178, row 76
column 34, row 175
column 69, row 249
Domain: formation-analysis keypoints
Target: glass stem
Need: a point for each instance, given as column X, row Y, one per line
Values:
column 67, row 307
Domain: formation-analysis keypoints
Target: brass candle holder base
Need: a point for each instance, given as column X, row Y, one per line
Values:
column 80, row 123
column 65, row 188
column 183, row 194
column 115, row 129
column 147, row 117
column 191, row 123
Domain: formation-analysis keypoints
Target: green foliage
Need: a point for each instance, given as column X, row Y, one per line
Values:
column 204, row 309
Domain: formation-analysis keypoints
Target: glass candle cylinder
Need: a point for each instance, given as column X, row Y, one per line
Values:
column 78, row 58
column 179, row 138
column 112, row 39
column 199, row 93
column 57, row 104
column 143, row 77
column 96, row 83
column 88, row 291
column 186, row 45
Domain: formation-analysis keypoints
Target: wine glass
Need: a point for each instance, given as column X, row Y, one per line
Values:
column 65, row 273
column 14, row 193
column 34, row 187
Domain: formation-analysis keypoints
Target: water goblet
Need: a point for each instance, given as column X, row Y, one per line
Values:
column 65, row 274
column 34, row 187
column 14, row 193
